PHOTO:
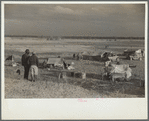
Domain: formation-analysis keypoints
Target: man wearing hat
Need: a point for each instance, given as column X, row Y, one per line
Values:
column 24, row 59
column 33, row 62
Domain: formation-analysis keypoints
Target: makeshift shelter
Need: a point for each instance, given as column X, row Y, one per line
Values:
column 124, row 68
column 98, row 53
column 133, row 54
column 136, row 55
column 85, row 55
column 10, row 61
column 55, row 61
column 104, row 55
column 10, row 58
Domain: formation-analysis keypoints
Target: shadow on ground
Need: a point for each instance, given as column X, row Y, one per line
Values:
column 95, row 82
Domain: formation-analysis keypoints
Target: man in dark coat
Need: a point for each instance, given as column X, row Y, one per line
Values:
column 33, row 62
column 25, row 58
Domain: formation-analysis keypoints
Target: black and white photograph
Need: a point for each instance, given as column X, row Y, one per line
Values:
column 72, row 50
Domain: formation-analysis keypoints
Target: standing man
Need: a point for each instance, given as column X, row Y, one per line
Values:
column 33, row 62
column 24, row 59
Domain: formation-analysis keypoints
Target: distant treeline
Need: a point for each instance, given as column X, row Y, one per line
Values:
column 75, row 37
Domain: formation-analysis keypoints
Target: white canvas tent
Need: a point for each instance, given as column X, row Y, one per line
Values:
column 121, row 69
column 54, row 61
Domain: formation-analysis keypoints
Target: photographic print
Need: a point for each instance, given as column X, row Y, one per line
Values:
column 62, row 50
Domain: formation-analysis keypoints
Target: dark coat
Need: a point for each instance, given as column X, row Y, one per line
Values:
column 33, row 60
column 24, row 59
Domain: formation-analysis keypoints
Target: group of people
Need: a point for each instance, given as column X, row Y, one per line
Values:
column 30, row 64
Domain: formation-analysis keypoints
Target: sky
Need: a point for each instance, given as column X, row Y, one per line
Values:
column 106, row 20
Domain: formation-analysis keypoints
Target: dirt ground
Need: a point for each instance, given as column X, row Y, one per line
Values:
column 48, row 84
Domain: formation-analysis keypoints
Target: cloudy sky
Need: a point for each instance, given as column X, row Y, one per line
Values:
column 127, row 20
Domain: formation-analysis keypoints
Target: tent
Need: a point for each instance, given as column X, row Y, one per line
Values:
column 98, row 53
column 10, row 61
column 137, row 55
column 124, row 68
column 54, row 61
column 85, row 53
column 133, row 53
column 10, row 58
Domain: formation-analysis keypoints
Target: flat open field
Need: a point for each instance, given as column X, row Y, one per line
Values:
column 48, row 84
